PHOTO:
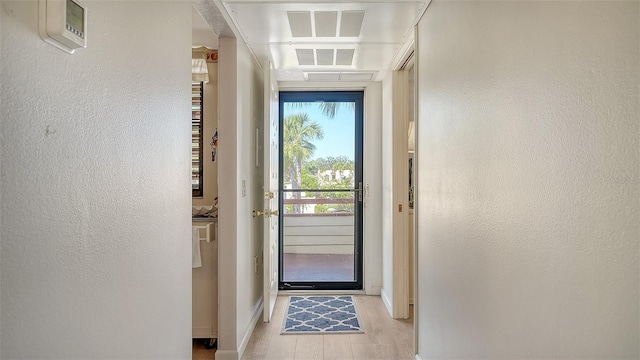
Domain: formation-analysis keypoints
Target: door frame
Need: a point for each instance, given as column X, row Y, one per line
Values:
column 307, row 96
column 270, row 240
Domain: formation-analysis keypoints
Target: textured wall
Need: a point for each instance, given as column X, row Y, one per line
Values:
column 387, row 208
column 250, row 105
column 95, row 190
column 240, row 109
column 529, row 180
column 372, row 168
column 228, row 186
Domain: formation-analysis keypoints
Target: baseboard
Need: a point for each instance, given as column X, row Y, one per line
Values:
column 417, row 357
column 203, row 333
column 374, row 290
column 387, row 302
column 257, row 312
column 226, row 355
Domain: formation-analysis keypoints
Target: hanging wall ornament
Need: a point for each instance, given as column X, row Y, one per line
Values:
column 214, row 145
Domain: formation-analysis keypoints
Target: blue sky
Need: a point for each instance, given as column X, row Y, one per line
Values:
column 339, row 132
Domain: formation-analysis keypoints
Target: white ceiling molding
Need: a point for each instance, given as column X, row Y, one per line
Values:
column 213, row 17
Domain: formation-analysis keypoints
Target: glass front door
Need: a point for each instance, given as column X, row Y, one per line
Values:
column 321, row 190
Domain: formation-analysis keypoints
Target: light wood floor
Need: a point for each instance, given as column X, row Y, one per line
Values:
column 384, row 338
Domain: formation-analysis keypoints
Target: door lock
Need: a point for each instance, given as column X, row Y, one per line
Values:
column 257, row 213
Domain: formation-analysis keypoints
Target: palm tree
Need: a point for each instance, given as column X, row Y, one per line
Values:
column 329, row 109
column 299, row 131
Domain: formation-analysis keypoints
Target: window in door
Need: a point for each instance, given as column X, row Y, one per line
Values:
column 321, row 190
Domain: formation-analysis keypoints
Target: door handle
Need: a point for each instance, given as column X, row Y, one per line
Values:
column 359, row 191
column 265, row 213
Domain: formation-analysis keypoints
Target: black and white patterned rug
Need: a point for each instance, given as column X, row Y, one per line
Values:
column 321, row 314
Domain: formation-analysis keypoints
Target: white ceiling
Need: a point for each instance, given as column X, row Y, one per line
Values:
column 386, row 28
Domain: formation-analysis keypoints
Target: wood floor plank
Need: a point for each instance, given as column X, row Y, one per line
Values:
column 309, row 347
column 384, row 339
column 282, row 347
column 337, row 347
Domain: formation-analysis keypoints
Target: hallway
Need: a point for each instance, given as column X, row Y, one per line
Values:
column 384, row 338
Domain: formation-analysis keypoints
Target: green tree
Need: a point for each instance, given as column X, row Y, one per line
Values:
column 299, row 132
column 329, row 109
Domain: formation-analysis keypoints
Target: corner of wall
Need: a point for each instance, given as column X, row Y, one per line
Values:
column 249, row 331
column 387, row 301
column 372, row 178
column 227, row 185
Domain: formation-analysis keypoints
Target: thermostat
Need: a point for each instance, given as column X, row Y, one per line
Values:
column 63, row 24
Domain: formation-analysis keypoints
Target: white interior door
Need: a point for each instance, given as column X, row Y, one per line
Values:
column 271, row 190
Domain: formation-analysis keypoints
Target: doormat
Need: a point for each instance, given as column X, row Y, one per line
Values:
column 321, row 315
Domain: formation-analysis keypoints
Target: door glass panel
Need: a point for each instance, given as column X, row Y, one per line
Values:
column 319, row 236
column 319, row 192
column 319, row 145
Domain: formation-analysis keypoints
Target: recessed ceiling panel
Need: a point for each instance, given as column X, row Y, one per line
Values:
column 344, row 56
column 365, row 57
column 300, row 23
column 351, row 23
column 356, row 76
column 324, row 56
column 326, row 23
column 267, row 22
column 344, row 37
column 305, row 56
column 318, row 76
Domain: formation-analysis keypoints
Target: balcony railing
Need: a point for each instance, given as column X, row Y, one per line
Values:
column 319, row 240
column 312, row 232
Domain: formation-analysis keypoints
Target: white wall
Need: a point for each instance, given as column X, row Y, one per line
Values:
column 227, row 199
column 528, row 180
column 250, row 114
column 240, row 107
column 394, row 194
column 95, row 191
column 1, row 177
column 373, row 197
column 387, row 191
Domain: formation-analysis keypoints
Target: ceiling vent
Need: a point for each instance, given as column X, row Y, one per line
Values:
column 300, row 23
column 305, row 56
column 344, row 56
column 339, row 76
column 356, row 76
column 325, row 57
column 351, row 23
column 326, row 23
column 317, row 76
